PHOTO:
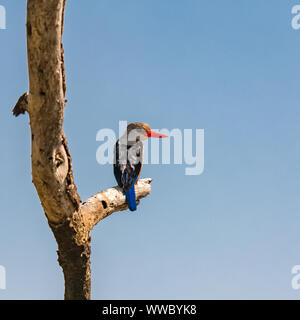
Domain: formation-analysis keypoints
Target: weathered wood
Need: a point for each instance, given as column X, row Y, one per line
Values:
column 52, row 171
column 51, row 162
column 21, row 105
column 106, row 202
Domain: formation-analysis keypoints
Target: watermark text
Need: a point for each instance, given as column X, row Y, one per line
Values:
column 296, row 18
column 187, row 146
column 2, row 278
column 2, row 17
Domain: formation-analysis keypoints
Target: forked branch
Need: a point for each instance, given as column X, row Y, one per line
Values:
column 52, row 171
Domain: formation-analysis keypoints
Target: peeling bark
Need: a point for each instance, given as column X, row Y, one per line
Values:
column 52, row 171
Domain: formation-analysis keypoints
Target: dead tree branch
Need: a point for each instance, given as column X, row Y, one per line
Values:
column 21, row 105
column 52, row 171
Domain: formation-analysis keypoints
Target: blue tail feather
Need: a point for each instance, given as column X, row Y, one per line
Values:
column 130, row 195
column 130, row 198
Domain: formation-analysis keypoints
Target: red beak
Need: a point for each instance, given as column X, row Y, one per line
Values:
column 153, row 134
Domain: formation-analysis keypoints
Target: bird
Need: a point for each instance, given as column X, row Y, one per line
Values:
column 128, row 158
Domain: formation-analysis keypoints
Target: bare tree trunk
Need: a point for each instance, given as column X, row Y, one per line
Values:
column 52, row 172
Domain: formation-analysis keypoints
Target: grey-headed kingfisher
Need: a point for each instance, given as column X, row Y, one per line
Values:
column 128, row 158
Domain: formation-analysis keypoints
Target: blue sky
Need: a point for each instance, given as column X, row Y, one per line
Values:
column 228, row 67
